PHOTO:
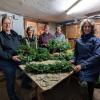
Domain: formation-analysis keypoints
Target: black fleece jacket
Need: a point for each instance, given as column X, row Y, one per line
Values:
column 8, row 44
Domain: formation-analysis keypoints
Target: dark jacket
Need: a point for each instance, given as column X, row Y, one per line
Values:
column 30, row 41
column 87, row 54
column 44, row 38
column 8, row 45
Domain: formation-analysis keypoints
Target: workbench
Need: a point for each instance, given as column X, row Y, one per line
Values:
column 60, row 86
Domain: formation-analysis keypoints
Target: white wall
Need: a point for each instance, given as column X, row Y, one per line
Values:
column 18, row 24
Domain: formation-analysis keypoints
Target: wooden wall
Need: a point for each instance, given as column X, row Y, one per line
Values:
column 97, row 24
column 38, row 26
column 72, row 33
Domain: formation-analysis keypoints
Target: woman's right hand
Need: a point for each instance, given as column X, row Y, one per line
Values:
column 16, row 58
column 77, row 68
column 72, row 62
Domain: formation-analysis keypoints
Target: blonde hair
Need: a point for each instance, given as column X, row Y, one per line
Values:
column 92, row 24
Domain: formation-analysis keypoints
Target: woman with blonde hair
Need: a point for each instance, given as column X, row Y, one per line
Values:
column 87, row 56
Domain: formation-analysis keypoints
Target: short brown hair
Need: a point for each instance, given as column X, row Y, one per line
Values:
column 5, row 17
column 46, row 25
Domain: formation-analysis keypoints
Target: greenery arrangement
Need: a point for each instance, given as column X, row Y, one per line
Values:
column 57, row 67
column 28, row 54
column 52, row 46
column 41, row 54
column 67, row 55
column 55, row 46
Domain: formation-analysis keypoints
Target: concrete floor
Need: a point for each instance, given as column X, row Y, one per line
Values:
column 25, row 94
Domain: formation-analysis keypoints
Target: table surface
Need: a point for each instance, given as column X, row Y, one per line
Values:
column 46, row 81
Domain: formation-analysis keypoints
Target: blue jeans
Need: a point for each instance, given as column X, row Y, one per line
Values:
column 9, row 69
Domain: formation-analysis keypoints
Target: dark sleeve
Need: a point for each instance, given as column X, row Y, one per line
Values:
column 40, row 41
column 20, row 38
column 33, row 38
column 4, row 54
column 23, row 40
column 75, row 54
column 95, row 59
column 16, row 34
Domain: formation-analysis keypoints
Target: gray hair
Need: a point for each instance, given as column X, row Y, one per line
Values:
column 4, row 18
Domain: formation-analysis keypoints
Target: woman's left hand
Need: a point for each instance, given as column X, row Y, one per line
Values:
column 77, row 68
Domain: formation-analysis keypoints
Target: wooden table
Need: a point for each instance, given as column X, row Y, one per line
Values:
column 45, row 82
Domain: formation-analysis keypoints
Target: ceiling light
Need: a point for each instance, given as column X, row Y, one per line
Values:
column 83, row 6
column 70, row 4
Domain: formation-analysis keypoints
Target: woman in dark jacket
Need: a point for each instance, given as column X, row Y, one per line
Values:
column 87, row 56
column 9, row 42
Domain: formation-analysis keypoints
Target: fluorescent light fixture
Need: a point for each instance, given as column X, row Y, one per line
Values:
column 62, row 5
column 83, row 6
column 70, row 3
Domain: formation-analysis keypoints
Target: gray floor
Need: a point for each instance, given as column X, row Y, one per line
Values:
column 24, row 94
column 27, row 94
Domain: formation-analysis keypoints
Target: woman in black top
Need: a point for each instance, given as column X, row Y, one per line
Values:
column 9, row 42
